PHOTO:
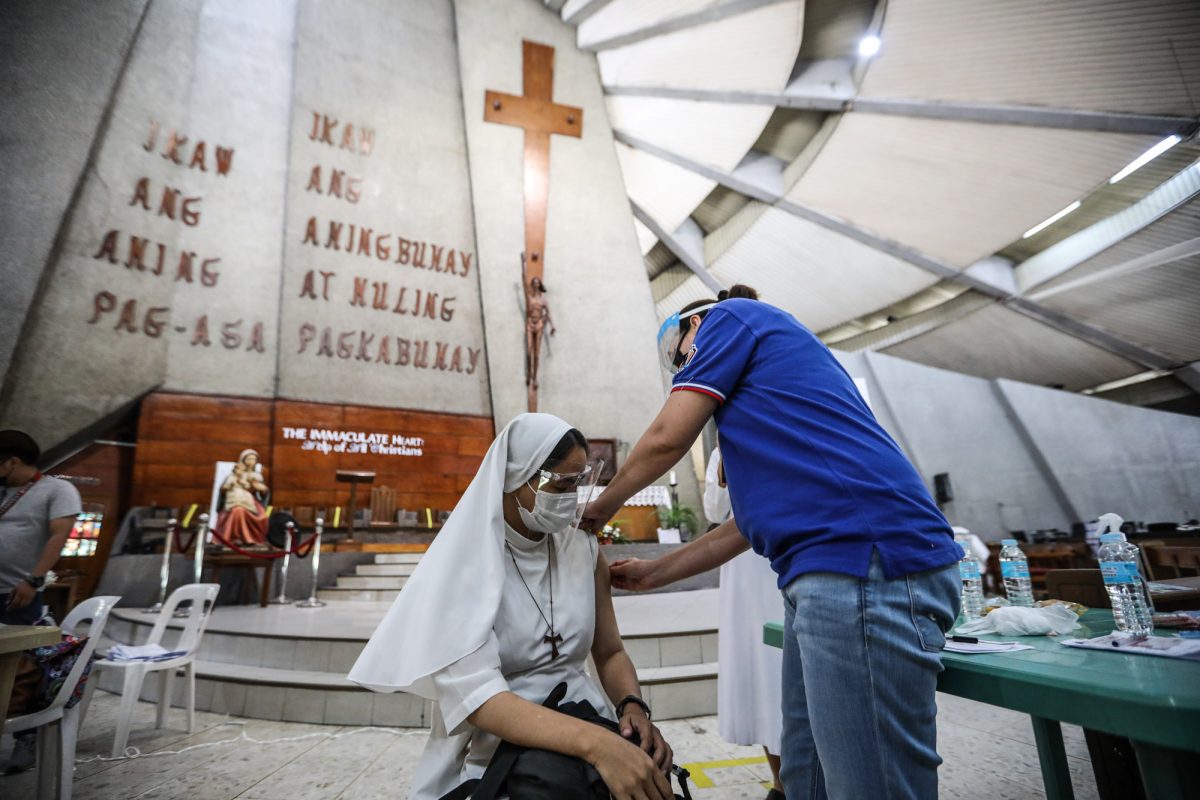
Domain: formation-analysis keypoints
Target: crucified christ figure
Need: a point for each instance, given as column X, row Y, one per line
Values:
column 537, row 318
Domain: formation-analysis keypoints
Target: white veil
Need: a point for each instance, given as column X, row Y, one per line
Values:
column 447, row 608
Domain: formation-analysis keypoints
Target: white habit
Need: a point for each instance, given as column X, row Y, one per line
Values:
column 465, row 628
column 749, row 683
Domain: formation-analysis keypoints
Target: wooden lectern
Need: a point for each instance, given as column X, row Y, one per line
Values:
column 354, row 478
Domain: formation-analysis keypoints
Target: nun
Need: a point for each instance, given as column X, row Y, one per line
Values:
column 507, row 603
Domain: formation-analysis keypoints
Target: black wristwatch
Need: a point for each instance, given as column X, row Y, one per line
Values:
column 36, row 583
column 633, row 698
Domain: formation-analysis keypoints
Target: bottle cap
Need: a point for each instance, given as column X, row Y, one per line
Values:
column 1111, row 537
column 1008, row 542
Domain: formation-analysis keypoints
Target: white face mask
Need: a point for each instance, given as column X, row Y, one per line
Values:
column 552, row 513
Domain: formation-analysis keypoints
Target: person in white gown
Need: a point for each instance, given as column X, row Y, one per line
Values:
column 508, row 602
column 749, row 696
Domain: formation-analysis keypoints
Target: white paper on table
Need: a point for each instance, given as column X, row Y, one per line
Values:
column 985, row 647
column 1166, row 646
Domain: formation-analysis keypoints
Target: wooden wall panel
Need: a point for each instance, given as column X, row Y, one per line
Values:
column 180, row 437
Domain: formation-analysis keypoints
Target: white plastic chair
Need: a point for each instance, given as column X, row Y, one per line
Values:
column 202, row 597
column 56, row 754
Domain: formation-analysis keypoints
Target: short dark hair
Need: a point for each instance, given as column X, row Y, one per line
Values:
column 21, row 445
column 570, row 440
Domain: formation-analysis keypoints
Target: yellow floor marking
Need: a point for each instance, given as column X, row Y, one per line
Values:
column 702, row 781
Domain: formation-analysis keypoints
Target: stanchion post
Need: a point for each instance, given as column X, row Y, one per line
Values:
column 198, row 553
column 164, row 571
column 312, row 601
column 288, row 538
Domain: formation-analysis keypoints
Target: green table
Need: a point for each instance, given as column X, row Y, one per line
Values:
column 1153, row 701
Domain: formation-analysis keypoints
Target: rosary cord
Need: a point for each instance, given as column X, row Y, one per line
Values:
column 537, row 605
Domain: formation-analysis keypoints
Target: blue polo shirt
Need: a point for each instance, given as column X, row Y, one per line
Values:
column 816, row 483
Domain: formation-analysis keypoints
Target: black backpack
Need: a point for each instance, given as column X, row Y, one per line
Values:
column 526, row 773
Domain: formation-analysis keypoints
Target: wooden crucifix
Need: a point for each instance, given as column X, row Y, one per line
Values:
column 536, row 112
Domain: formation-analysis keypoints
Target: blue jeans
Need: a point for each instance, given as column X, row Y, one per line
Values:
column 860, row 666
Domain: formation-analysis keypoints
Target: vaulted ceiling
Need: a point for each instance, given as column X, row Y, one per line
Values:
column 891, row 197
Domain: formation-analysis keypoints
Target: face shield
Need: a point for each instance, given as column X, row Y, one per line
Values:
column 669, row 337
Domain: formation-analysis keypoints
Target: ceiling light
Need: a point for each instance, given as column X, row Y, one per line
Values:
column 1146, row 157
column 868, row 46
column 1047, row 223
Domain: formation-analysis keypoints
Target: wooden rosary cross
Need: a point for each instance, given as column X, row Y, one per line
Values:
column 539, row 116
column 552, row 639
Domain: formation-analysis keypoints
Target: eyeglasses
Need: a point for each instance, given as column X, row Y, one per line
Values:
column 562, row 481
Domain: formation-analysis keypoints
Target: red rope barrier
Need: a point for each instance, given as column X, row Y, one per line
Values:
column 184, row 548
column 308, row 543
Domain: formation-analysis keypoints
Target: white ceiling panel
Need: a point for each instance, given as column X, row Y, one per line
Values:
column 666, row 192
column 1176, row 227
column 678, row 287
column 716, row 134
column 820, row 277
column 996, row 342
column 1158, row 308
column 1103, row 55
column 958, row 191
column 646, row 239
column 628, row 16
column 752, row 51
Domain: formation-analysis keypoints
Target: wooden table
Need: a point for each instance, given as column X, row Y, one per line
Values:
column 1153, row 701
column 219, row 561
column 14, row 639
column 1177, row 600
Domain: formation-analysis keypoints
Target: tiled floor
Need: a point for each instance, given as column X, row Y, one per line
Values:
column 989, row 752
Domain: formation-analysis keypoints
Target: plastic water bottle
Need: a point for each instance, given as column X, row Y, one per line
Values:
column 1014, row 569
column 972, row 583
column 1126, row 590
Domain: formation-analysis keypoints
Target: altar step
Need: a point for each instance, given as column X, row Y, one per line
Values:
column 329, row 698
column 265, row 663
column 379, row 582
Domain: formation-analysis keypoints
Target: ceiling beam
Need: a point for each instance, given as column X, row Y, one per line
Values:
column 586, row 11
column 679, row 247
column 1190, row 375
column 1166, row 255
column 555, row 5
column 1178, row 190
column 797, row 97
column 682, row 22
column 1057, row 320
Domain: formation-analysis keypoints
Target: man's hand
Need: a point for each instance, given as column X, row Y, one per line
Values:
column 652, row 742
column 634, row 574
column 21, row 595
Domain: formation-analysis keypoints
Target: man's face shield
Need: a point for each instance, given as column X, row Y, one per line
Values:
column 670, row 336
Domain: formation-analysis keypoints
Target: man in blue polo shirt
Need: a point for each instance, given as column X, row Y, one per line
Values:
column 865, row 559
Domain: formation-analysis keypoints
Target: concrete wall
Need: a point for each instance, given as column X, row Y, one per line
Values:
column 199, row 309
column 600, row 370
column 1141, row 463
column 45, row 152
column 1024, row 457
column 391, row 69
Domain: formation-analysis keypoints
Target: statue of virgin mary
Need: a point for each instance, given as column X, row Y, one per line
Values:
column 243, row 519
